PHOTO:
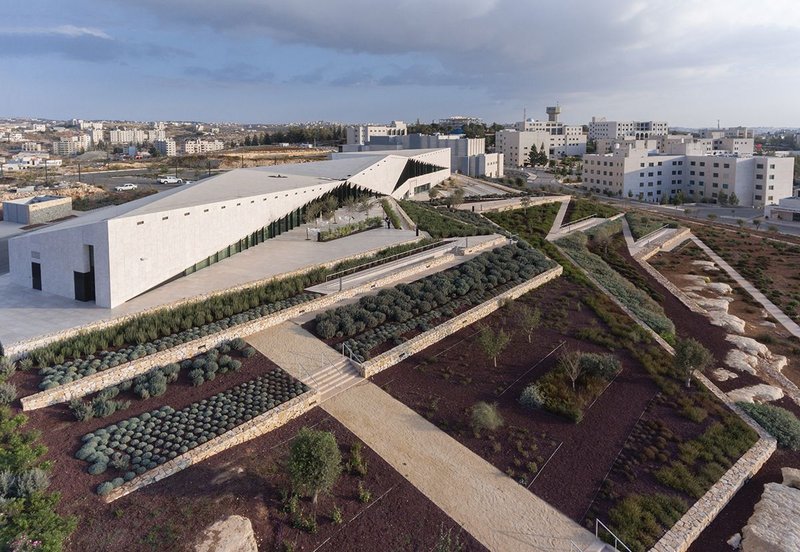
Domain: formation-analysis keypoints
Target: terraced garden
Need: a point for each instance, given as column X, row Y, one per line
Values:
column 141, row 443
column 379, row 322
column 444, row 223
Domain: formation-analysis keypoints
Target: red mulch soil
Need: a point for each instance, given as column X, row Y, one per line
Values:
column 447, row 379
column 247, row 480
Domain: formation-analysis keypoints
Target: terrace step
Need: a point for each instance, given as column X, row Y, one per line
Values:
column 333, row 379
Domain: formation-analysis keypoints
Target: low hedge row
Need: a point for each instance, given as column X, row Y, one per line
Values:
column 431, row 297
column 441, row 224
column 144, row 442
column 636, row 300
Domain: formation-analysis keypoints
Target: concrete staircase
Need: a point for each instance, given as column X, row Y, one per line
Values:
column 333, row 379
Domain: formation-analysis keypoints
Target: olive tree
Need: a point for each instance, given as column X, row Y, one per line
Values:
column 315, row 462
column 493, row 343
column 691, row 355
column 529, row 319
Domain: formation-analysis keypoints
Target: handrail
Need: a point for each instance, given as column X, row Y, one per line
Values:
column 617, row 540
column 579, row 220
column 647, row 236
column 384, row 260
column 350, row 353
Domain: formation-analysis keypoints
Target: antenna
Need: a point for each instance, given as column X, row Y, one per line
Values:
column 524, row 115
column 717, row 124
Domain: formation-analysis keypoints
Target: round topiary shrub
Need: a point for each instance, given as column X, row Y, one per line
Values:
column 105, row 488
column 97, row 468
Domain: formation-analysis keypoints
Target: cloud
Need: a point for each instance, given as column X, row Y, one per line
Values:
column 230, row 74
column 69, row 31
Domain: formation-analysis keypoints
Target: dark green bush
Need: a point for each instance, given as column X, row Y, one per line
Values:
column 8, row 392
column 778, row 422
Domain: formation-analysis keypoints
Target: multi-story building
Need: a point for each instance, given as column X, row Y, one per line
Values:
column 467, row 155
column 72, row 145
column 166, row 147
column 96, row 134
column 640, row 174
column 156, row 134
column 31, row 146
column 554, row 137
column 600, row 129
column 109, row 256
column 458, row 121
column 362, row 134
column 199, row 146
column 129, row 136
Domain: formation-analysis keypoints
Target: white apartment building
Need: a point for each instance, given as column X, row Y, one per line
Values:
column 96, row 134
column 72, row 145
column 193, row 147
column 156, row 134
column 658, row 177
column 556, row 138
column 362, row 134
column 39, row 127
column 131, row 136
column 600, row 128
column 31, row 146
column 166, row 147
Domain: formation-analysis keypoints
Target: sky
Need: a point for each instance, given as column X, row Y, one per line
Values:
column 687, row 62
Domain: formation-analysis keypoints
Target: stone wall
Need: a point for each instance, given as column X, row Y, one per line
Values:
column 113, row 376
column 542, row 200
column 381, row 362
column 673, row 289
column 256, row 427
column 488, row 244
column 703, row 512
column 681, row 235
column 20, row 348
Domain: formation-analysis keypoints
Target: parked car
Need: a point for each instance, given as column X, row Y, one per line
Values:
column 170, row 180
column 126, row 187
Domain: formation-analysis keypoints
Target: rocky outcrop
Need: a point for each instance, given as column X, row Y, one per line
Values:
column 233, row 534
column 791, row 477
column 721, row 374
column 708, row 266
column 760, row 393
column 775, row 523
column 741, row 361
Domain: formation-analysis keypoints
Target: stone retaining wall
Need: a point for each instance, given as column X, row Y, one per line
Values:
column 703, row 512
column 113, row 376
column 673, row 289
column 542, row 200
column 402, row 214
column 18, row 349
column 488, row 244
column 256, row 427
column 381, row 362
column 681, row 235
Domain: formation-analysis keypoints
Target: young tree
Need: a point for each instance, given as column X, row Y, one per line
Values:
column 533, row 156
column 525, row 202
column 315, row 462
column 733, row 199
column 455, row 199
column 529, row 319
column 570, row 363
column 543, row 157
column 602, row 237
column 493, row 343
column 756, row 223
column 313, row 210
column 433, row 193
column 691, row 355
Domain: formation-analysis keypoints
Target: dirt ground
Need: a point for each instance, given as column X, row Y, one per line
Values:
column 247, row 480
column 443, row 382
column 269, row 155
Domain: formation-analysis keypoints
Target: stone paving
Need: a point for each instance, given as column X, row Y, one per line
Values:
column 492, row 507
column 26, row 313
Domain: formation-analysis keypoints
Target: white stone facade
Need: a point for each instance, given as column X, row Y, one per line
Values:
column 600, row 128
column 362, row 134
column 639, row 174
column 516, row 145
column 129, row 249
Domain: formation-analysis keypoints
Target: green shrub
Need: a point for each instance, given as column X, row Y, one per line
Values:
column 7, row 368
column 485, row 417
column 238, row 344
column 105, row 488
column 778, row 422
column 235, row 365
column 364, row 494
column 248, row 352
column 640, row 520
column 336, row 515
column 8, row 392
column 532, row 397
column 33, row 480
column 357, row 465
column 81, row 410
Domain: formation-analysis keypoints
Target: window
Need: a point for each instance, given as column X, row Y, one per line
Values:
column 772, row 165
column 186, row 214
column 727, row 165
column 758, row 197
column 716, row 165
column 702, row 163
column 760, row 166
column 164, row 218
column 759, row 177
column 772, row 177
column 140, row 223
column 716, row 175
